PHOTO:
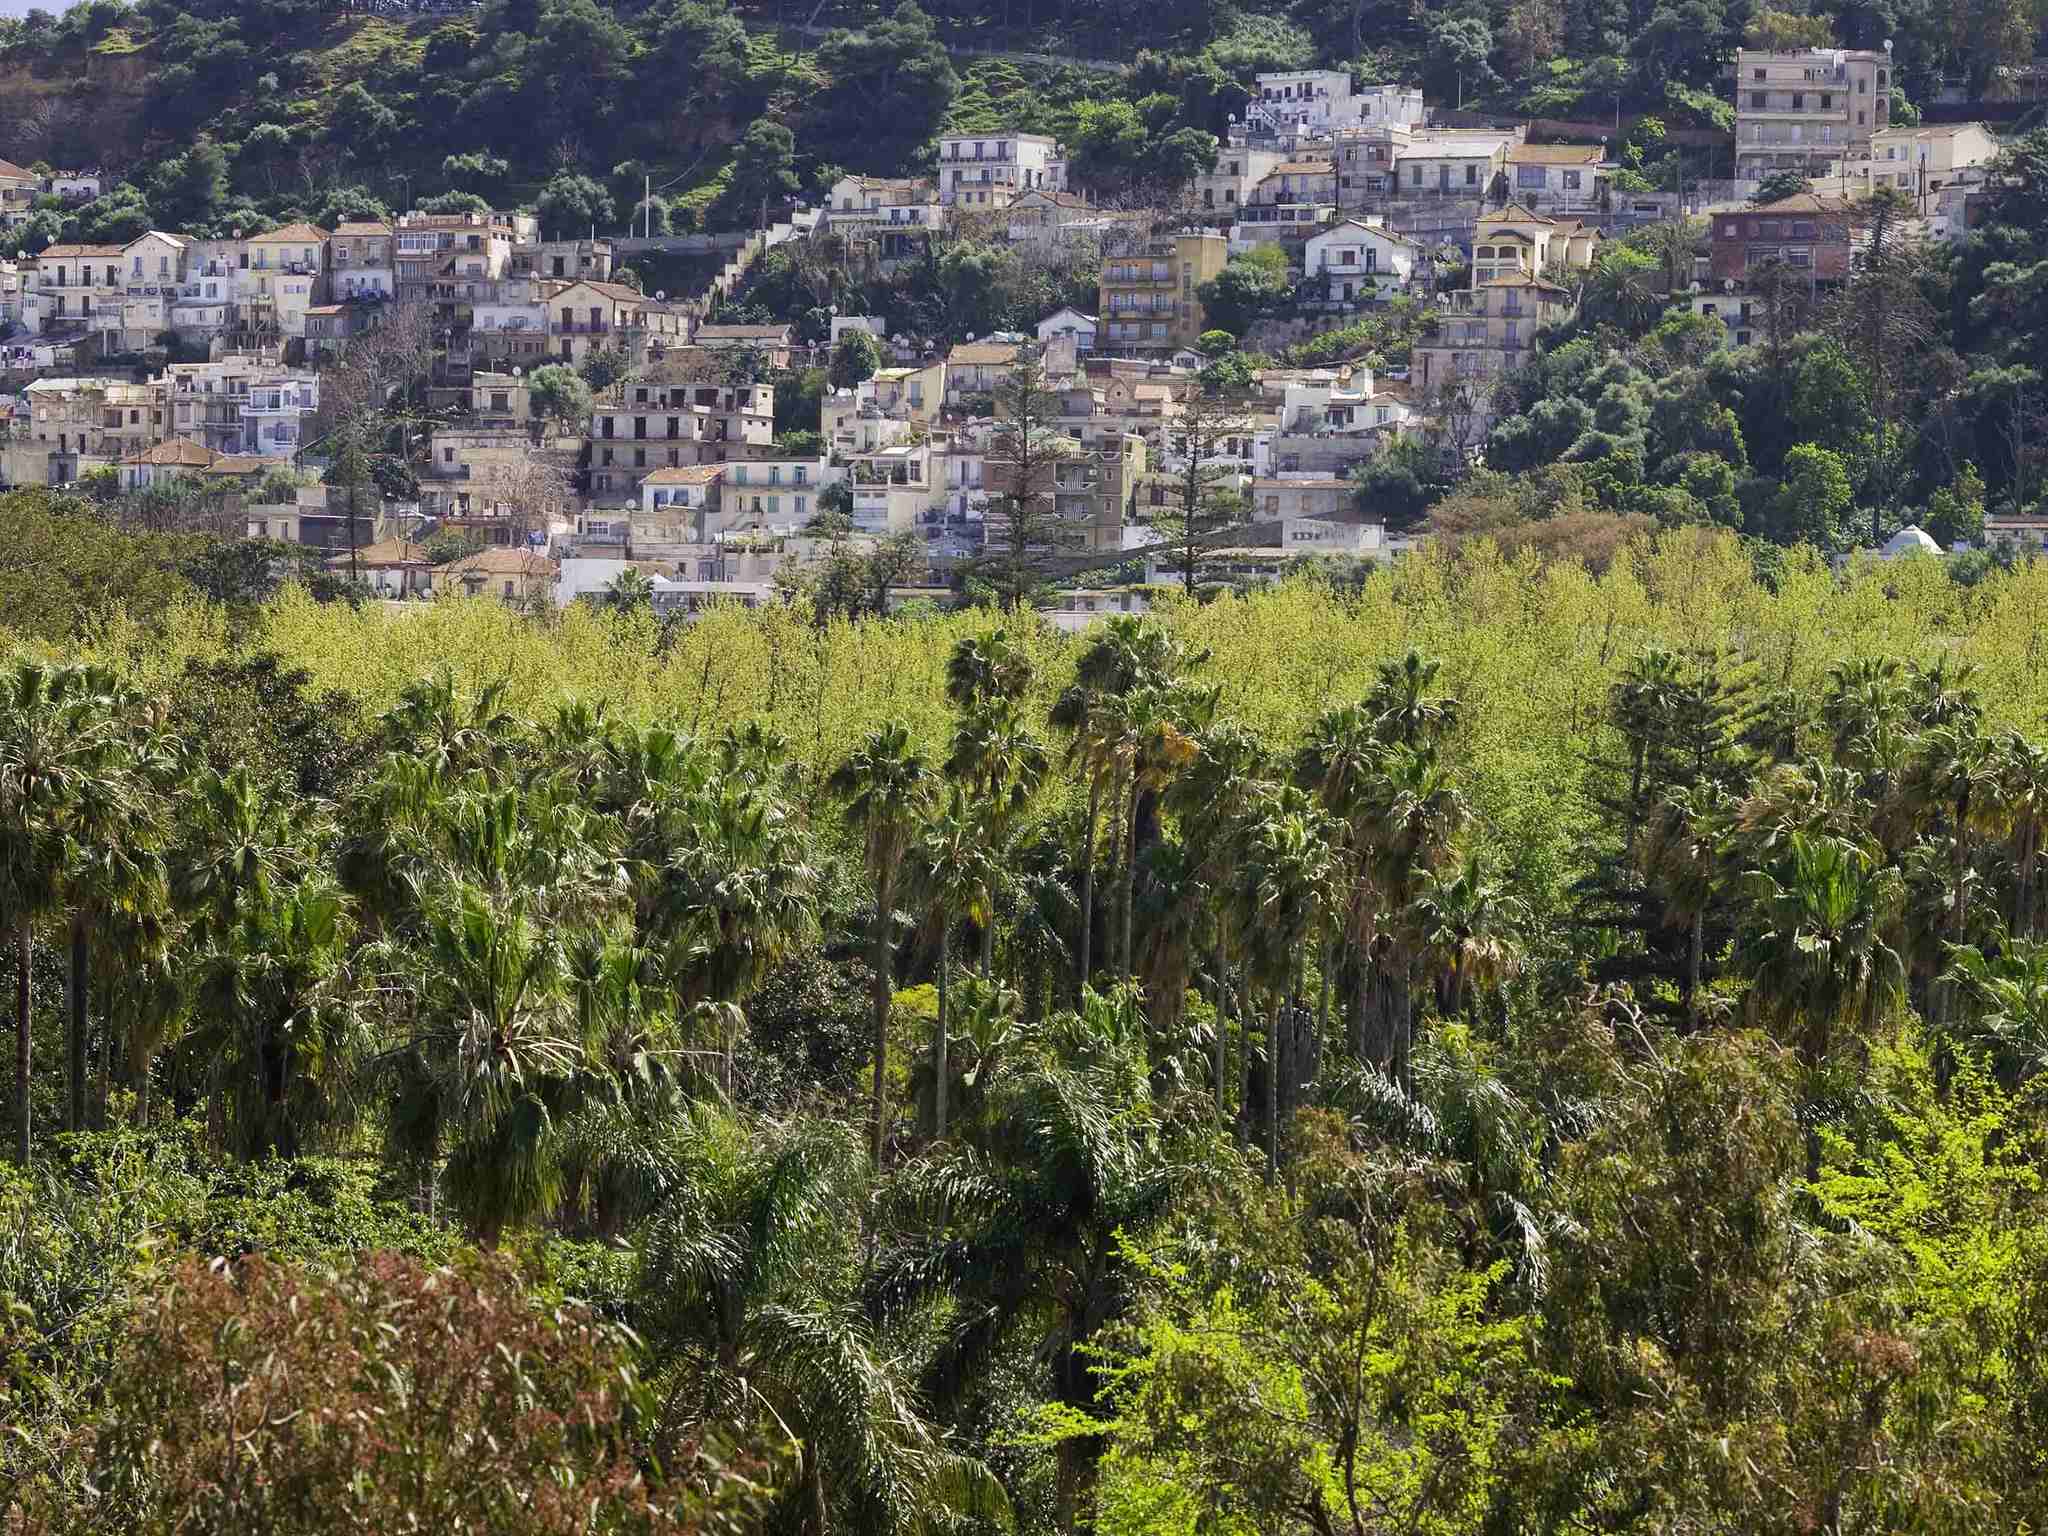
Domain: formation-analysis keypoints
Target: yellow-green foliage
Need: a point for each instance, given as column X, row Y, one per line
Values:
column 1531, row 649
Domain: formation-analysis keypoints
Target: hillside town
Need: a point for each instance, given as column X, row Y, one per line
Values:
column 205, row 368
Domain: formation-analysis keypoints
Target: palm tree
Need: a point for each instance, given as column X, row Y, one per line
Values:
column 59, row 752
column 1682, row 857
column 1017, row 1221
column 1286, row 877
column 2023, row 795
column 747, row 1273
column 1467, row 925
column 1956, row 773
column 1155, row 744
column 956, row 872
column 436, row 720
column 279, row 1031
column 2005, row 993
column 115, row 852
column 1001, row 763
column 1863, row 700
column 491, row 1066
column 1217, row 799
column 1815, row 951
column 1127, row 653
column 1401, row 707
column 987, row 669
column 888, row 789
column 1415, row 813
column 1341, row 762
column 733, row 893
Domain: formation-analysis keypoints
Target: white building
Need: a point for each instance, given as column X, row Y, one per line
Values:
column 983, row 171
column 1069, row 322
column 1360, row 259
column 1314, row 103
column 1922, row 161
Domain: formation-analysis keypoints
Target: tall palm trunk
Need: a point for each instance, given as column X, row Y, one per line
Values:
column 1273, row 1088
column 1114, row 836
column 939, row 1041
column 1088, row 881
column 21, row 1042
column 1220, row 1046
column 74, row 1034
column 884, row 963
column 1130, row 869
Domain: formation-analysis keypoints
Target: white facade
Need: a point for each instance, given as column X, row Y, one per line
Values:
column 986, row 170
column 1314, row 103
column 1359, row 259
column 1069, row 322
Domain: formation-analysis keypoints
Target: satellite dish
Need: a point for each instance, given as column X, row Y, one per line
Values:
column 661, row 295
column 517, row 371
column 1727, row 285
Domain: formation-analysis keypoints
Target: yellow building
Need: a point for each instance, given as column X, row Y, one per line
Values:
column 1148, row 292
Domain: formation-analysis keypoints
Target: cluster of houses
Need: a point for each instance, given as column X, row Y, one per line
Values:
column 1372, row 195
column 678, row 473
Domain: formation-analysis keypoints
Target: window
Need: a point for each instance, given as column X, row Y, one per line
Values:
column 1861, row 117
column 1759, row 74
column 1880, row 79
column 1798, row 101
column 1471, row 175
column 1759, row 100
column 1529, row 176
column 1827, row 101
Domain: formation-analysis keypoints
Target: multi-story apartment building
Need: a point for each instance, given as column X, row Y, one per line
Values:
column 1361, row 259
column 1805, row 232
column 74, row 186
column 1314, row 103
column 18, row 192
column 78, row 424
column 1093, row 491
column 771, row 491
column 1515, row 241
column 241, row 404
column 1450, row 164
column 981, row 171
column 1804, row 109
column 1920, row 161
column 1148, row 292
column 360, row 263
column 498, row 483
column 897, row 214
column 68, row 283
column 286, row 276
column 1240, row 166
column 586, row 316
column 1486, row 333
column 670, row 426
column 432, row 250
column 893, row 487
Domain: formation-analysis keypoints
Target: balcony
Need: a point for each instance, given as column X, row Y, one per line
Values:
column 580, row 327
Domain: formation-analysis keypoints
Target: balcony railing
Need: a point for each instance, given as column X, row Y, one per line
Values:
column 580, row 327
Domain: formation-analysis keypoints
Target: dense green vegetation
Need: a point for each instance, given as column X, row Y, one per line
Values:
column 1494, row 1047
column 252, row 113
